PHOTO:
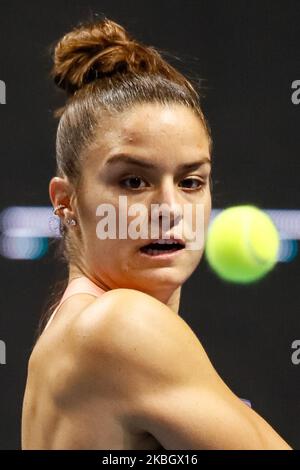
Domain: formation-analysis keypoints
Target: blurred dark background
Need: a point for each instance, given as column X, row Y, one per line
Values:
column 247, row 55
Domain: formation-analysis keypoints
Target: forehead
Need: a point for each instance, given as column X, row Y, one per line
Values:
column 152, row 130
column 153, row 121
column 150, row 120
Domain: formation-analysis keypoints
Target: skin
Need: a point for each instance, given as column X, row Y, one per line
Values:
column 125, row 372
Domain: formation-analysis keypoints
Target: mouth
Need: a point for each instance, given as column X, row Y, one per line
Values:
column 163, row 247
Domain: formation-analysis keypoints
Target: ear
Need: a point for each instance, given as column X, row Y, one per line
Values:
column 60, row 190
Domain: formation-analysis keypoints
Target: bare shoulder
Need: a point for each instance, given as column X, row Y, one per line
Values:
column 125, row 320
column 157, row 371
column 140, row 341
column 152, row 367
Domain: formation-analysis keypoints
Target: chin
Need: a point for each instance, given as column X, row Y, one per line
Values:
column 166, row 277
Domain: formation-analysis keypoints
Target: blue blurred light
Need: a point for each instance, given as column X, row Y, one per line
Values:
column 26, row 229
column 288, row 251
column 23, row 247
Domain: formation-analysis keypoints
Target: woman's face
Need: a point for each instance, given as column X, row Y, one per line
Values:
column 162, row 139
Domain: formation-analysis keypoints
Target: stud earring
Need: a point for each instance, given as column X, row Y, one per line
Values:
column 71, row 222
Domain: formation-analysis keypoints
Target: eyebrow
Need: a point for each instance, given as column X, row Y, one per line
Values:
column 125, row 158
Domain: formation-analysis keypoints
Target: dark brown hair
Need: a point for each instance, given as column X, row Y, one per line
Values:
column 104, row 71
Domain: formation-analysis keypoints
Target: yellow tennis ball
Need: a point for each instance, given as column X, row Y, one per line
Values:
column 242, row 244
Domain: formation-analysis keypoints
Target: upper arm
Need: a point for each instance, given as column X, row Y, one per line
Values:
column 166, row 384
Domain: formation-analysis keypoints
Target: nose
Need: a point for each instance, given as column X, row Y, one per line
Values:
column 166, row 205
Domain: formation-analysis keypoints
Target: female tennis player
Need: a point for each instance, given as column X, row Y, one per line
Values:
column 116, row 367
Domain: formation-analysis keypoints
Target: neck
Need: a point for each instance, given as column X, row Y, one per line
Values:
column 172, row 300
column 169, row 298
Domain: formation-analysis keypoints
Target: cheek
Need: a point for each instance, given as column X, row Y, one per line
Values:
column 202, row 209
column 95, row 205
column 207, row 210
column 87, row 205
column 201, row 219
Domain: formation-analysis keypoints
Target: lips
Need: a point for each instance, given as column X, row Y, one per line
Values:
column 161, row 246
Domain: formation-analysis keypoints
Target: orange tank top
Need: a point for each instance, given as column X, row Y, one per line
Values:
column 79, row 285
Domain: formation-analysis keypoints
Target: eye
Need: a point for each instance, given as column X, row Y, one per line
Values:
column 134, row 182
column 193, row 183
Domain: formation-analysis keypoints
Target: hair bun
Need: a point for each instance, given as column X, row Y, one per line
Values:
column 99, row 49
